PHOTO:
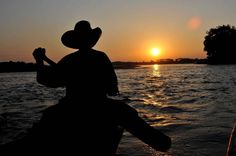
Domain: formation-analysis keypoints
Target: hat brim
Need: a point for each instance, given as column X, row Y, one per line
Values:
column 75, row 40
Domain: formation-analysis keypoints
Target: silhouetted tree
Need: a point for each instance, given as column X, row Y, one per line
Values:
column 220, row 45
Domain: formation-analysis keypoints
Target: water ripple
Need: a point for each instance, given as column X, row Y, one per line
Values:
column 194, row 104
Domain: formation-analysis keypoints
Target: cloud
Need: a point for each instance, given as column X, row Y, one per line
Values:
column 194, row 23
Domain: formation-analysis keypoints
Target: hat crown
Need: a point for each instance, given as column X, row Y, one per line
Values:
column 83, row 36
column 83, row 26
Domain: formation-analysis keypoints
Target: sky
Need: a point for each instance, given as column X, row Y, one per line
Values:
column 130, row 28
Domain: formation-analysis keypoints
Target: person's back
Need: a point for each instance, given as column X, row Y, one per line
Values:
column 87, row 74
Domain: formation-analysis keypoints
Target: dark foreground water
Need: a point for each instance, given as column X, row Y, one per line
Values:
column 194, row 104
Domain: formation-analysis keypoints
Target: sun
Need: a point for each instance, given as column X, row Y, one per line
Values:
column 155, row 51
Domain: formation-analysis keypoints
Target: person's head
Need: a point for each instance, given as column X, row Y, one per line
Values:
column 82, row 37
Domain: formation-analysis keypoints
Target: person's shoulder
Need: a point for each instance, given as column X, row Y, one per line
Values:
column 71, row 55
column 68, row 57
column 98, row 52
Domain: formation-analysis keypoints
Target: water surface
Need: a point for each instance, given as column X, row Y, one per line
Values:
column 194, row 104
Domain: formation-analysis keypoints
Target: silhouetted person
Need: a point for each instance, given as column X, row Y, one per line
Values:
column 85, row 120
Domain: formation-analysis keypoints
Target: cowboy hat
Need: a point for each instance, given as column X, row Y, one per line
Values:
column 83, row 36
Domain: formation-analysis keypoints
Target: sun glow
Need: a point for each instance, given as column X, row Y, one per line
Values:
column 155, row 51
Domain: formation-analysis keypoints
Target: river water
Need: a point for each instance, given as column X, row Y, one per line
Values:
column 194, row 104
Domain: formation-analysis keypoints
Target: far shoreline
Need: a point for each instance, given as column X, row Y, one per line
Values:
column 20, row 66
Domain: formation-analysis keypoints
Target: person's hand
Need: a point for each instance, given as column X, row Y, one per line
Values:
column 39, row 54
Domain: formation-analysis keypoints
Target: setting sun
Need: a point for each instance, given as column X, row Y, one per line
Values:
column 155, row 51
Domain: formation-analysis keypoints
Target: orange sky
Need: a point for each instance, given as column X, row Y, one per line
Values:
column 130, row 28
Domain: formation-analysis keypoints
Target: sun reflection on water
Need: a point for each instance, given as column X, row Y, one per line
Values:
column 156, row 71
column 151, row 100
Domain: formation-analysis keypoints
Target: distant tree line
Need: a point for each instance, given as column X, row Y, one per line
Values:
column 161, row 61
column 176, row 61
column 17, row 67
column 30, row 67
column 182, row 61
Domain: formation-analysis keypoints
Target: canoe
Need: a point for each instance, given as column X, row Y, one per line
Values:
column 231, row 149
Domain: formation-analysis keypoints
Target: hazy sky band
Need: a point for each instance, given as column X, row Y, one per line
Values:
column 130, row 27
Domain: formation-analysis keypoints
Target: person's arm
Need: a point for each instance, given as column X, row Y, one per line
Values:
column 46, row 75
column 49, row 61
column 112, row 86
